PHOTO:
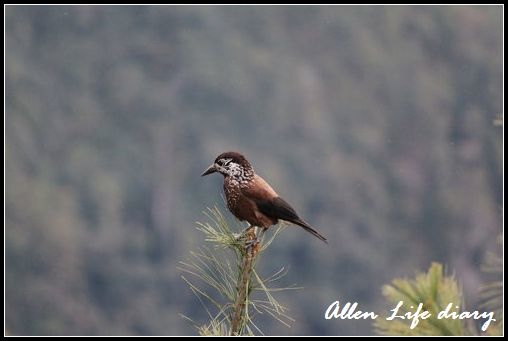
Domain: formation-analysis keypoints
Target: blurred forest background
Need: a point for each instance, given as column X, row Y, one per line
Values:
column 375, row 122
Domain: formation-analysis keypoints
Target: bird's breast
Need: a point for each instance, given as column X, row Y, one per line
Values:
column 233, row 193
column 242, row 207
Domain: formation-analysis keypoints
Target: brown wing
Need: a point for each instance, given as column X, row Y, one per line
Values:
column 259, row 189
column 271, row 205
column 268, row 201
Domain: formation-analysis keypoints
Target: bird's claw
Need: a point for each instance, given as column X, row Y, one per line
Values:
column 249, row 237
column 250, row 243
column 252, row 247
column 247, row 233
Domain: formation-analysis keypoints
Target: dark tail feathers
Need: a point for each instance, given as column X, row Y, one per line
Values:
column 309, row 228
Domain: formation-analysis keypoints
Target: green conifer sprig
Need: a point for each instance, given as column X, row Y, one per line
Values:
column 216, row 272
column 435, row 290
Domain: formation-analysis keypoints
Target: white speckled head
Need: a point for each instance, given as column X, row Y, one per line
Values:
column 232, row 164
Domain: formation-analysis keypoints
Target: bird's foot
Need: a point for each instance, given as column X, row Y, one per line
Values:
column 251, row 241
column 252, row 247
column 245, row 233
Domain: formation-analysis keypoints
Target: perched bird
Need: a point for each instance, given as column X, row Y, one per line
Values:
column 251, row 198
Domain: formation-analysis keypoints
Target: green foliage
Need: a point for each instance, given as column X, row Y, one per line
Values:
column 438, row 292
column 435, row 291
column 216, row 271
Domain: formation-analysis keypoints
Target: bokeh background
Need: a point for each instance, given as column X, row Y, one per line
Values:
column 377, row 123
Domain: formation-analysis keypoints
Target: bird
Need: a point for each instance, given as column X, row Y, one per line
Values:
column 250, row 198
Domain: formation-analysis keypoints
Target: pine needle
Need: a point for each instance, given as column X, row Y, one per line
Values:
column 217, row 267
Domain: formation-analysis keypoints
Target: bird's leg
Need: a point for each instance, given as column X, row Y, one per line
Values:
column 251, row 239
column 240, row 235
column 250, row 236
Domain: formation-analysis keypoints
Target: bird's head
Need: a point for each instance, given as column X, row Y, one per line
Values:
column 231, row 164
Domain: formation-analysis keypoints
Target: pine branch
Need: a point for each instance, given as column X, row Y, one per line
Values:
column 435, row 291
column 238, row 319
column 226, row 283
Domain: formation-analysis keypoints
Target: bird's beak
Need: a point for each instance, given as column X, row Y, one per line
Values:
column 210, row 170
